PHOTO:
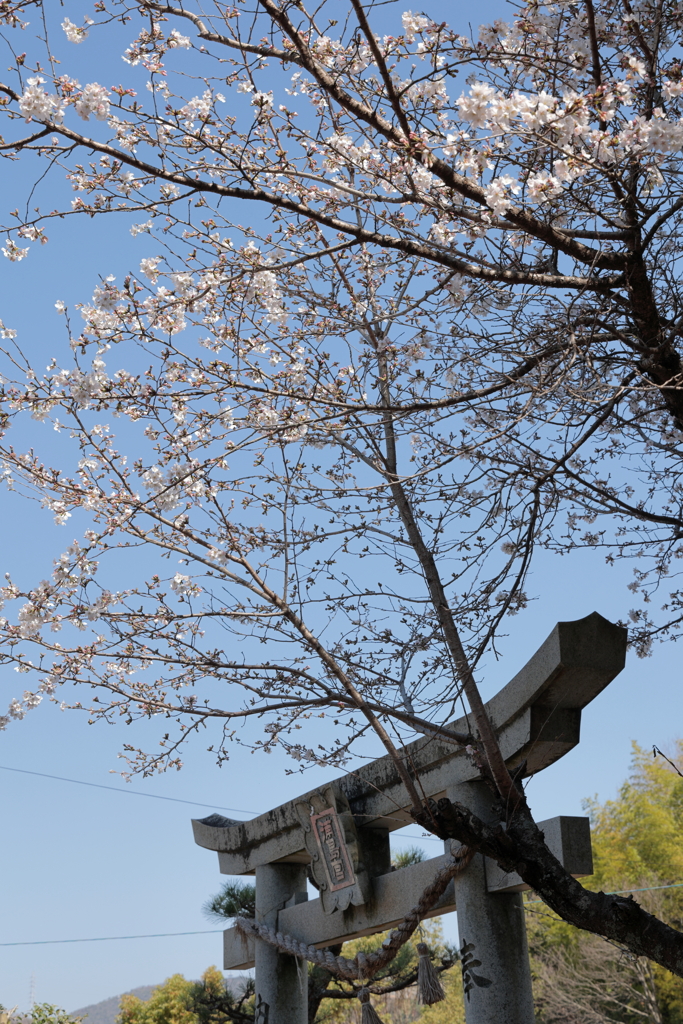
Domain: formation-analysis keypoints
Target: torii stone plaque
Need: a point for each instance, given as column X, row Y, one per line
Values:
column 342, row 831
column 331, row 838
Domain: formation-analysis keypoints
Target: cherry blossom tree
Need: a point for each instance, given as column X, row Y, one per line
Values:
column 446, row 338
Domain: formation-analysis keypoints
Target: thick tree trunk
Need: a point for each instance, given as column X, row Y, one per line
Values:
column 660, row 361
column 520, row 847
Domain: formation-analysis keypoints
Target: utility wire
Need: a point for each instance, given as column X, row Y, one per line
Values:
column 237, row 810
column 215, row 931
column 155, row 796
column 111, row 938
column 128, row 792
column 620, row 892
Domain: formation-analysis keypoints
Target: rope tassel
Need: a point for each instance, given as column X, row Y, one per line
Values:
column 364, row 967
column 429, row 987
column 368, row 1014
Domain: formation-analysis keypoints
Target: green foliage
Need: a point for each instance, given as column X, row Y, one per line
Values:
column 399, row 1003
column 638, row 841
column 452, row 1009
column 170, row 1003
column 179, row 1001
column 638, row 837
column 45, row 1013
column 637, row 844
column 236, row 899
column 404, row 858
column 41, row 1013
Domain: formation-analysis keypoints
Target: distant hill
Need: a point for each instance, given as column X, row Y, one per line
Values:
column 107, row 1011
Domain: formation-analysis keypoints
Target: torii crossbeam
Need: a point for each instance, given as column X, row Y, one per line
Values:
column 537, row 720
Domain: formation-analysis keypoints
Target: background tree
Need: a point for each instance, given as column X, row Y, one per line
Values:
column 637, row 841
column 447, row 338
column 177, row 1001
column 235, row 899
column 594, row 984
column 452, row 1009
column 41, row 1013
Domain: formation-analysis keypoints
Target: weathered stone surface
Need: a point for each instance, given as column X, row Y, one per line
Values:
column 336, row 850
column 569, row 838
column 281, row 982
column 494, row 956
column 394, row 894
column 397, row 892
column 536, row 716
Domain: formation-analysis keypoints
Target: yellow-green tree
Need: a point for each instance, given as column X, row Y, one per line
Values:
column 170, row 1003
column 637, row 847
column 179, row 1001
column 41, row 1013
column 637, row 838
column 452, row 1009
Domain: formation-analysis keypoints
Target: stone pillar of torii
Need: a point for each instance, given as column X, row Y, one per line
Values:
column 342, row 831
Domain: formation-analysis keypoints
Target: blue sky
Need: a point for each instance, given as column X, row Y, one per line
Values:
column 80, row 861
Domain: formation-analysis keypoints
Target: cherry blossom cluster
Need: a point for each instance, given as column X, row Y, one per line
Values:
column 391, row 284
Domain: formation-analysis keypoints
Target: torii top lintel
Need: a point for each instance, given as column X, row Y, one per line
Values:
column 536, row 717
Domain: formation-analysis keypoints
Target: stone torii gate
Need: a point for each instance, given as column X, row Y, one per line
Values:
column 342, row 831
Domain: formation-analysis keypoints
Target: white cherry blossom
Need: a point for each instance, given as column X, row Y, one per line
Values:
column 149, row 267
column 13, row 252
column 39, row 104
column 175, row 39
column 93, row 100
column 74, row 33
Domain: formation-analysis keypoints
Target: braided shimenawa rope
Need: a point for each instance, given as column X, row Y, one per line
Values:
column 365, row 965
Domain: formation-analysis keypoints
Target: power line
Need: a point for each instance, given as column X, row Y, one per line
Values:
column 155, row 796
column 648, row 888
column 128, row 792
column 215, row 931
column 620, row 892
column 235, row 810
column 112, row 938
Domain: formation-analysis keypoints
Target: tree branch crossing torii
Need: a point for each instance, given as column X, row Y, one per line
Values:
column 342, row 831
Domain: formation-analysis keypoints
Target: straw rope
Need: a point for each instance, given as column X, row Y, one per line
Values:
column 364, row 966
